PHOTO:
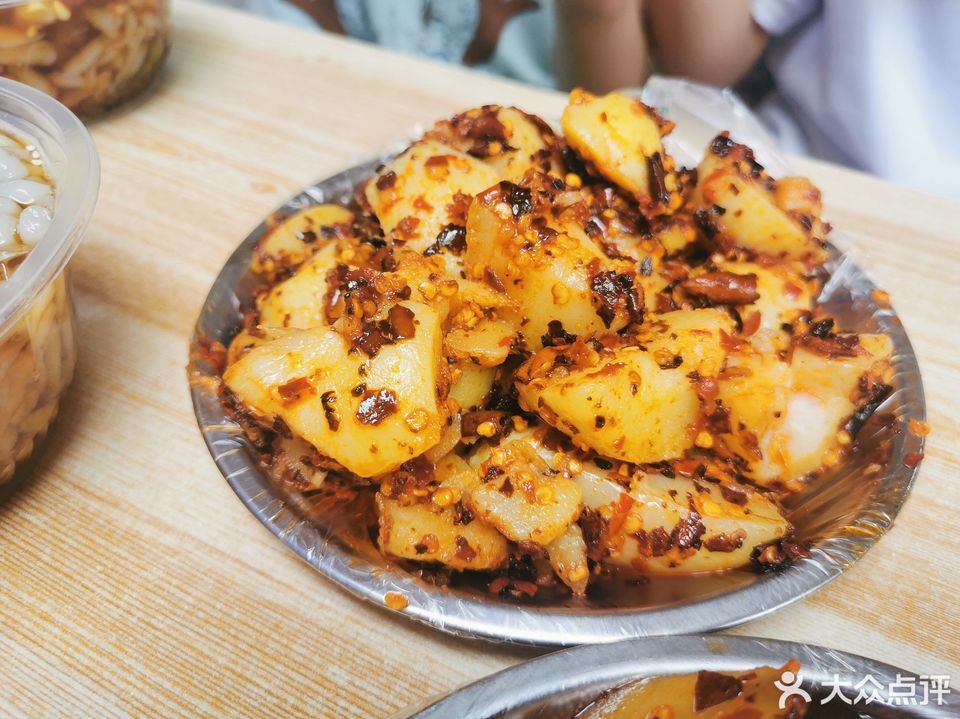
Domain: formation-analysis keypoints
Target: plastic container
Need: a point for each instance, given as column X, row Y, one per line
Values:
column 89, row 54
column 38, row 344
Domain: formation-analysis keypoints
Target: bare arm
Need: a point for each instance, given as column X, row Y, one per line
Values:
column 322, row 12
column 710, row 41
column 600, row 44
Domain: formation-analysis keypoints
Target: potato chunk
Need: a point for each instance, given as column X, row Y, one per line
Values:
column 368, row 414
column 298, row 302
column 568, row 557
column 659, row 524
column 546, row 263
column 621, row 137
column 791, row 414
column 738, row 202
column 623, row 405
column 509, row 140
column 520, row 495
column 663, row 525
column 246, row 340
column 291, row 463
column 688, row 339
column 415, row 195
column 755, row 390
column 473, row 385
column 675, row 233
column 427, row 533
column 294, row 240
column 716, row 534
column 486, row 344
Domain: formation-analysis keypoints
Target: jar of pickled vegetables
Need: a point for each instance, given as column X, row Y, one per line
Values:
column 89, row 54
column 49, row 178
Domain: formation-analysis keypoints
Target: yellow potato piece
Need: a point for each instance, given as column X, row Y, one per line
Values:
column 368, row 414
column 426, row 532
column 519, row 494
column 246, row 340
column 473, row 385
column 486, row 344
column 754, row 400
column 534, row 142
column 649, row 527
column 823, row 391
column 298, row 302
column 567, row 555
column 548, row 276
column 620, row 136
column 295, row 239
column 509, row 140
column 412, row 196
column 740, row 205
column 291, row 463
column 521, row 520
column 730, row 531
column 792, row 414
column 675, row 233
column 625, row 406
column 656, row 532
column 689, row 339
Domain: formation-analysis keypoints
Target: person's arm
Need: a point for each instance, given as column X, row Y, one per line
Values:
column 494, row 14
column 705, row 40
column 600, row 44
column 322, row 12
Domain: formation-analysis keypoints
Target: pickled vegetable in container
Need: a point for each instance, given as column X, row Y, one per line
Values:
column 49, row 177
column 89, row 54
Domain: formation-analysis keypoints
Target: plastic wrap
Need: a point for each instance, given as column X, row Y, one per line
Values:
column 559, row 685
column 842, row 514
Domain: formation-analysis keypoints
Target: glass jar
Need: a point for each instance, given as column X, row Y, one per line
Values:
column 89, row 54
column 38, row 344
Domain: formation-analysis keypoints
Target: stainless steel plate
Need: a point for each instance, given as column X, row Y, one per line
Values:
column 842, row 514
column 560, row 684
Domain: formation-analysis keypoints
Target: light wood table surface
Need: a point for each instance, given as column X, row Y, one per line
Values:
column 132, row 580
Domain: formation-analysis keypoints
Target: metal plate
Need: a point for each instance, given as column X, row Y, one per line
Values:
column 842, row 514
column 557, row 686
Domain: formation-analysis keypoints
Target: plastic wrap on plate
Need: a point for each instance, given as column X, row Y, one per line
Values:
column 841, row 514
column 700, row 112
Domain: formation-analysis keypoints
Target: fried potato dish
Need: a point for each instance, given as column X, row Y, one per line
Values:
column 556, row 357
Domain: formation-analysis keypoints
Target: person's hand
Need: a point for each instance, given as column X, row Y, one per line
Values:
column 494, row 14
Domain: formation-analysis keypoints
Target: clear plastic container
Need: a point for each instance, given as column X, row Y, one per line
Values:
column 38, row 344
column 89, row 54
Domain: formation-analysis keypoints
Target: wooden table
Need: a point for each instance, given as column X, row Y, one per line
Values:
column 132, row 580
